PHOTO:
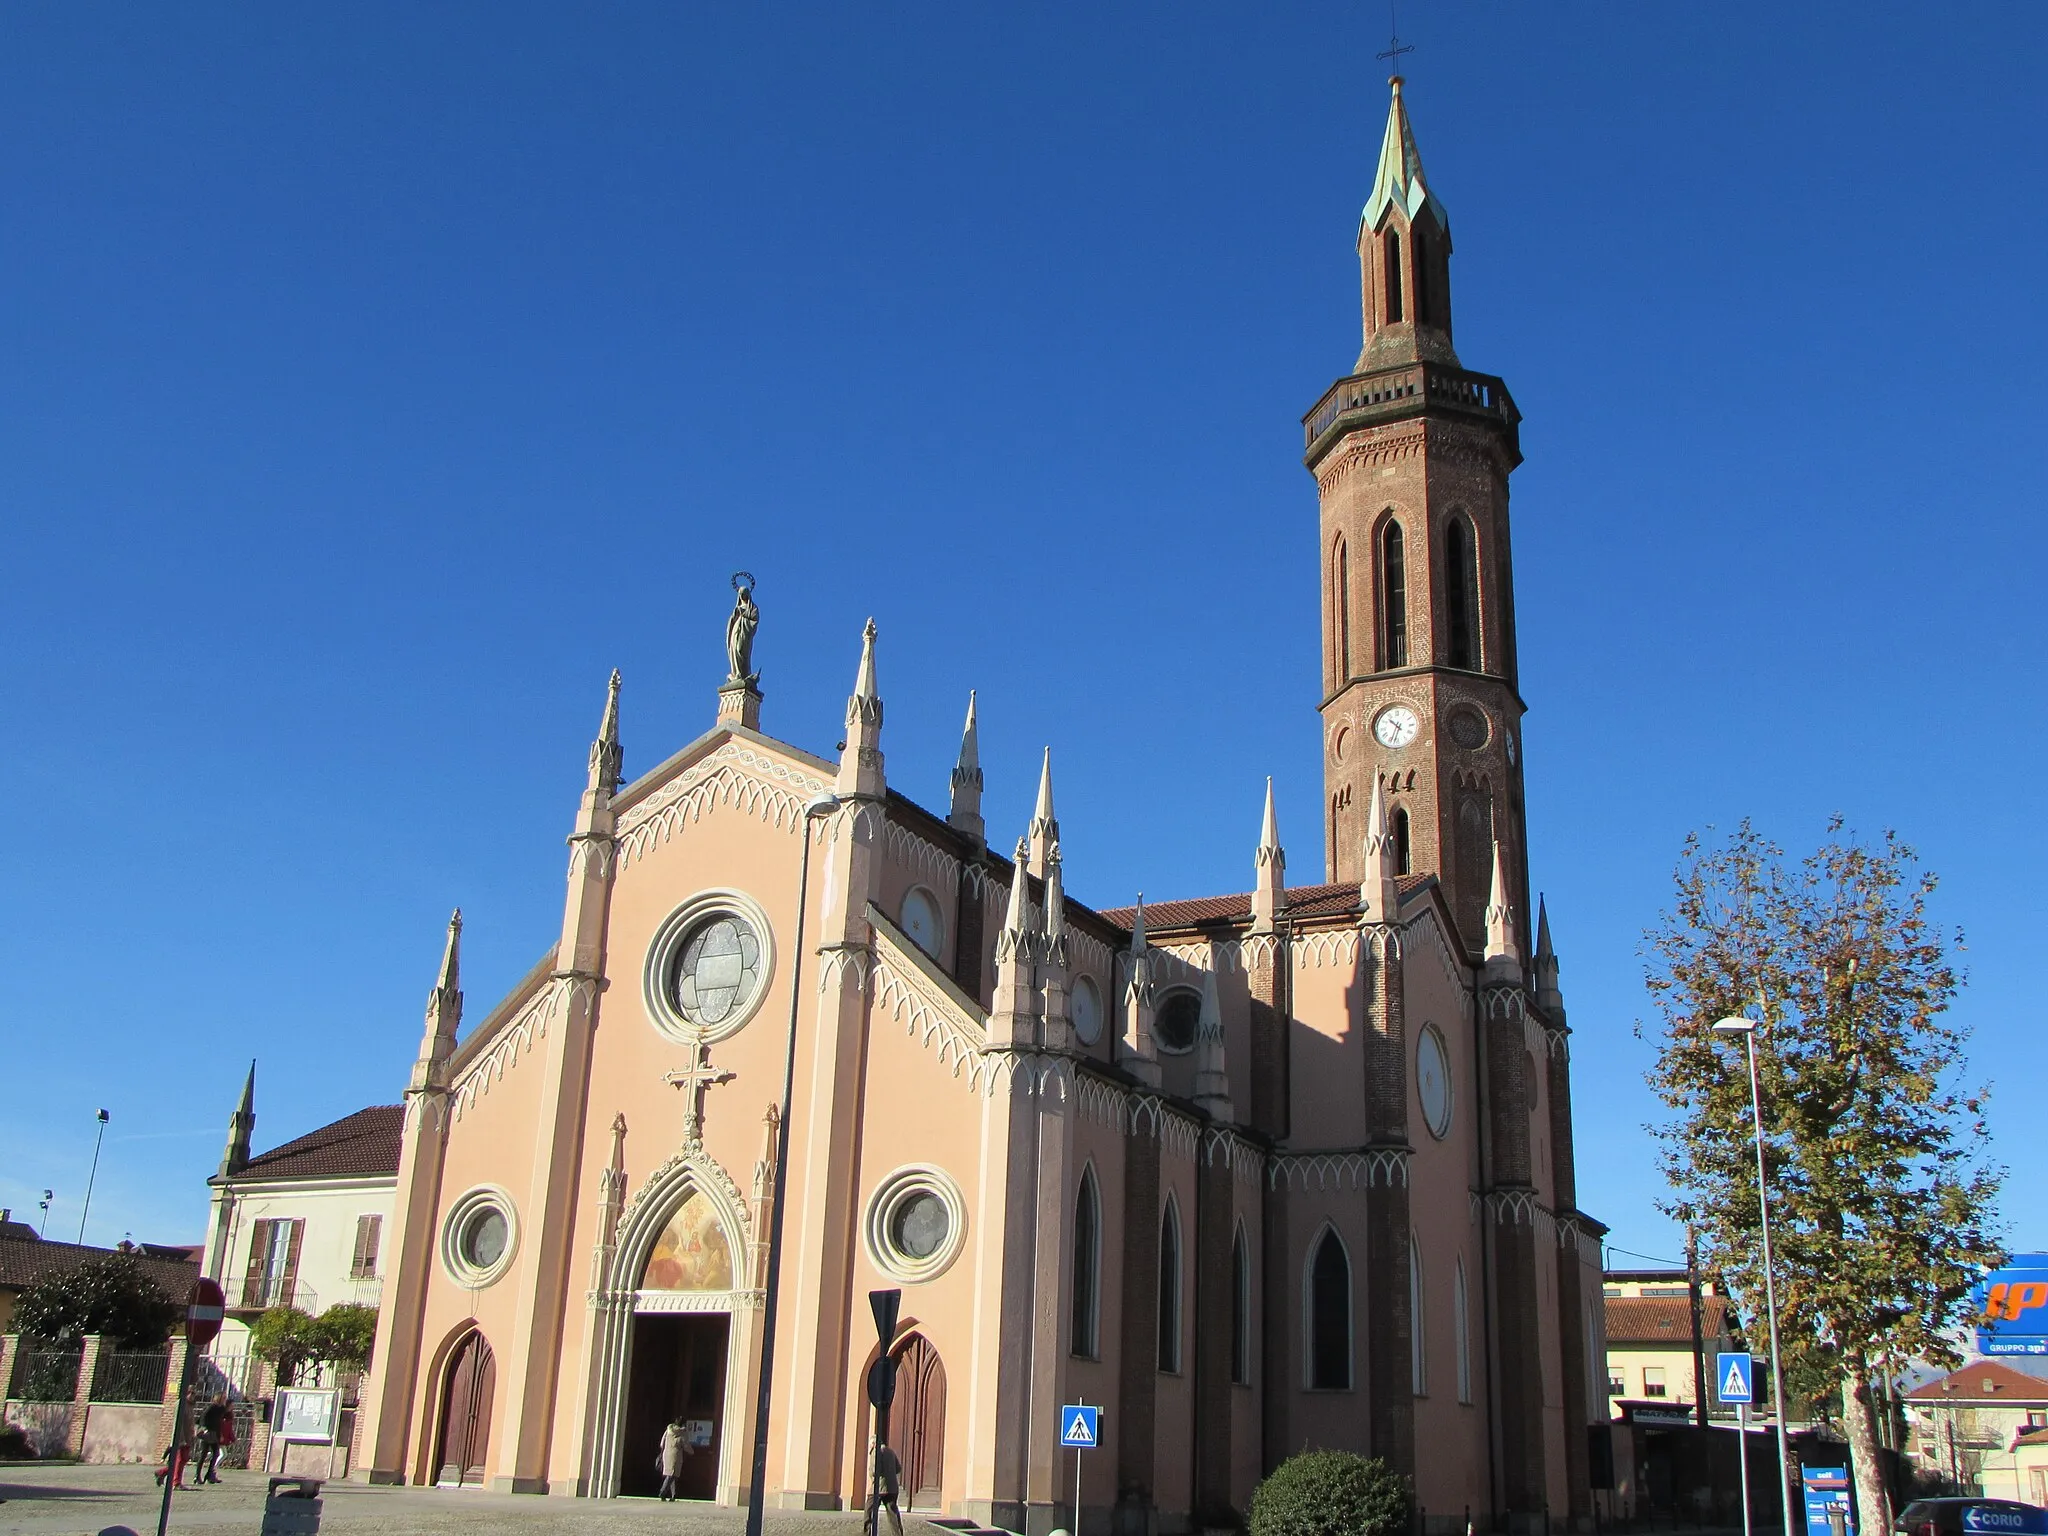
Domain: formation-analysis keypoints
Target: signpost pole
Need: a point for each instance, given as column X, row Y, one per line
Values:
column 1742, row 1460
column 203, row 1313
column 1077, row 1482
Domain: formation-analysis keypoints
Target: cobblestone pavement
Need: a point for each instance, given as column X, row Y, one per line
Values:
column 62, row 1500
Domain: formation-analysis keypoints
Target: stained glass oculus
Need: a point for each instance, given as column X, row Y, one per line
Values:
column 718, row 970
column 919, row 1224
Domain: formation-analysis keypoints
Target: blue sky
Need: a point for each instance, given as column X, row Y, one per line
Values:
column 373, row 379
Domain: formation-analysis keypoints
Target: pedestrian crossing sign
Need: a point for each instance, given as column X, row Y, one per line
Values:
column 1080, row 1426
column 1733, row 1378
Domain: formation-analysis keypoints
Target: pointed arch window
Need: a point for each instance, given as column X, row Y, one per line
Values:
column 1401, row 848
column 1393, row 596
column 1461, row 1322
column 1169, row 1288
column 1418, row 1338
column 1240, row 1309
column 1086, row 1320
column 1340, row 606
column 1329, row 1314
column 1418, row 245
column 1461, row 595
column 1390, row 249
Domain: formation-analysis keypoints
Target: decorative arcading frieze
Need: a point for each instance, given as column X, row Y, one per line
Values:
column 1504, row 1001
column 934, row 1020
column 922, row 859
column 734, row 775
column 1259, row 951
column 1178, row 1134
column 1372, row 449
column 1338, row 946
column 1104, row 1103
column 1560, row 1042
column 1424, row 931
column 1221, row 1144
column 1362, row 1169
column 1382, row 942
column 588, row 854
column 837, row 960
column 1512, row 1207
column 428, row 1109
column 1090, row 954
column 527, row 1028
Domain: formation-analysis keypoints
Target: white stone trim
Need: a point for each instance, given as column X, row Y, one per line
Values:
column 667, row 946
column 734, row 775
column 894, row 1189
column 527, row 1028
column 473, row 1202
column 1362, row 1169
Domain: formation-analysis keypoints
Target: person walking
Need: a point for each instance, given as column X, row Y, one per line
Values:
column 215, row 1422
column 888, row 1480
column 675, row 1446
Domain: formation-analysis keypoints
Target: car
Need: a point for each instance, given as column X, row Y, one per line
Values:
column 1969, row 1517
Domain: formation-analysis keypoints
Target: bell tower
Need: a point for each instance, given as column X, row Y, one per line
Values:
column 1411, row 455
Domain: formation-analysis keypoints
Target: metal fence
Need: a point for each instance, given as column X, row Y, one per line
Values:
column 130, row 1375
column 45, row 1372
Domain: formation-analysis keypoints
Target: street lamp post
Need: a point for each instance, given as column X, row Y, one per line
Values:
column 1746, row 1028
column 86, row 1209
column 757, row 1490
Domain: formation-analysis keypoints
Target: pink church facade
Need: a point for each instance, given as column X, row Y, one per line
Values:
column 1285, row 1168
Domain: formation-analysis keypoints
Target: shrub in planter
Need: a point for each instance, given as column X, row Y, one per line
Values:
column 1331, row 1493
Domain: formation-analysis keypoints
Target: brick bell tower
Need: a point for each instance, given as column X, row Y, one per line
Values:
column 1411, row 454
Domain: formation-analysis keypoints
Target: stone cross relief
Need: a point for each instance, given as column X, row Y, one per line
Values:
column 699, row 1075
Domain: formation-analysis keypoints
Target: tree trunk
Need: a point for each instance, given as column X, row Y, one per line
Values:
column 1873, row 1500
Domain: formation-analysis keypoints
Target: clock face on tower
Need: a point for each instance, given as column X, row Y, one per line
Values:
column 1396, row 726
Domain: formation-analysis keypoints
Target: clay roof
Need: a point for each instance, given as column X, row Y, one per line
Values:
column 24, row 1261
column 1302, row 901
column 1664, row 1320
column 1982, row 1381
column 362, row 1144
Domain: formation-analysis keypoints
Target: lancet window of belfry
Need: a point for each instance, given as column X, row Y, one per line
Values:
column 1401, row 846
column 1169, row 1288
column 1390, row 264
column 1340, row 606
column 1240, row 1309
column 1086, row 1319
column 1475, row 862
column 1461, row 595
column 1418, row 252
column 1418, row 1336
column 691, row 1253
column 1393, row 597
column 1462, row 1325
column 1329, row 1314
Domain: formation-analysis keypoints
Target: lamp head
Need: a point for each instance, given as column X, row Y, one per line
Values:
column 823, row 805
column 1735, row 1026
column 103, row 1117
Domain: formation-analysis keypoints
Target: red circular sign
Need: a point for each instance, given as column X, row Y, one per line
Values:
column 208, row 1305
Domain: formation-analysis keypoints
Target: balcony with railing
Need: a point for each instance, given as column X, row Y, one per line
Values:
column 1390, row 394
column 259, row 1293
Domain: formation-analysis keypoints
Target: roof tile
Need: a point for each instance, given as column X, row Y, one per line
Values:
column 362, row 1144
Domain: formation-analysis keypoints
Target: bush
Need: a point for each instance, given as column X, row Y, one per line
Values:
column 113, row 1296
column 295, row 1343
column 1331, row 1493
column 15, row 1444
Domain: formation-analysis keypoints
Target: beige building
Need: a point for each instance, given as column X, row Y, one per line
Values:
column 1969, row 1425
column 1291, row 1166
column 302, row 1225
column 1649, row 1337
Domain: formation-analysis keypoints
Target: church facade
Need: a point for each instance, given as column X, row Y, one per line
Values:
column 1253, row 1172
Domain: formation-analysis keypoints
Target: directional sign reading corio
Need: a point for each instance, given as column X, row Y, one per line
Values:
column 2013, row 1519
column 1734, row 1377
column 1080, row 1427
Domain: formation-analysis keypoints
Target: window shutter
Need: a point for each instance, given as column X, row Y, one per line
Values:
column 291, row 1260
column 259, row 1253
column 368, row 1230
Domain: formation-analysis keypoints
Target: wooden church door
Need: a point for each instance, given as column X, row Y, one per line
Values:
column 920, row 1414
column 466, row 1414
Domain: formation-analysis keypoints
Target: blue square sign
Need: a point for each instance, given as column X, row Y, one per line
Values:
column 1080, row 1427
column 1734, row 1378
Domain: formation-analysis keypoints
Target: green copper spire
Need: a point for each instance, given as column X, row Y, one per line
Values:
column 1400, row 180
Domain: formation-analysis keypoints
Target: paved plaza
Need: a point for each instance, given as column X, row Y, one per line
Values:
column 61, row 1500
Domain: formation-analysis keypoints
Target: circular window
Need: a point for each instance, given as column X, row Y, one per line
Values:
column 478, row 1237
column 1468, row 728
column 1086, row 1010
column 1433, row 1081
column 921, row 920
column 1173, row 1026
column 916, row 1223
column 708, row 967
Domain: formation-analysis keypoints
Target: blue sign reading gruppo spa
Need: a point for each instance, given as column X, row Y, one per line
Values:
column 2012, row 1307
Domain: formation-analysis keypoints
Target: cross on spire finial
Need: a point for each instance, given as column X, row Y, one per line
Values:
column 693, row 1080
column 1395, row 47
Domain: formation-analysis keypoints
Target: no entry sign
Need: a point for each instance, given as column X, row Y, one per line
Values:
column 208, row 1305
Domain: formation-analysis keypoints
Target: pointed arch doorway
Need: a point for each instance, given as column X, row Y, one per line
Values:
column 916, row 1426
column 463, row 1437
column 678, row 1353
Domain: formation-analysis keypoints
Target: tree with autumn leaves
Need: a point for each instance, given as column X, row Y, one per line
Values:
column 1876, row 1156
